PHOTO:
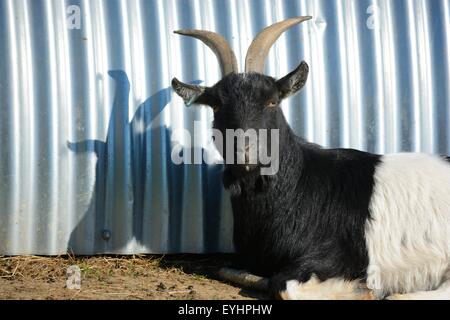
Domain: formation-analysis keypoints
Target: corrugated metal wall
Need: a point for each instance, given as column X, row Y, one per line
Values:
column 87, row 114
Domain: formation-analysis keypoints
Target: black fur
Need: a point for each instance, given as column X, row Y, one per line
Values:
column 310, row 217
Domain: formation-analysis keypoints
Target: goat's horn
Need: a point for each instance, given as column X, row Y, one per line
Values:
column 219, row 45
column 258, row 50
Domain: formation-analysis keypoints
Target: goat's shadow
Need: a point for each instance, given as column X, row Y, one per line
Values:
column 119, row 194
column 208, row 266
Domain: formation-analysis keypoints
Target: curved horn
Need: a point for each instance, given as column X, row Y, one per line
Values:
column 258, row 50
column 218, row 44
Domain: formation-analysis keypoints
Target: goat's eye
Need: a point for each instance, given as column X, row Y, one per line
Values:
column 271, row 104
column 216, row 109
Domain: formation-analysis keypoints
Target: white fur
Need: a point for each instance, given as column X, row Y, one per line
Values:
column 442, row 293
column 331, row 289
column 408, row 237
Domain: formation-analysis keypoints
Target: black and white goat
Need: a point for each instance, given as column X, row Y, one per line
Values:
column 332, row 223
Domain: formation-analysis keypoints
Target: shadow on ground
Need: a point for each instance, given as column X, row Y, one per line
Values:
column 206, row 266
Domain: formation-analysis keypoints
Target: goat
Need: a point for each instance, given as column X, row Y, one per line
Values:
column 331, row 223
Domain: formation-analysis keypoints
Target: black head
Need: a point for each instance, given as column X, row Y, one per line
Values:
column 247, row 101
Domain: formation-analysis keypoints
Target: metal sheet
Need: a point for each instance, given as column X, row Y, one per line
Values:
column 88, row 115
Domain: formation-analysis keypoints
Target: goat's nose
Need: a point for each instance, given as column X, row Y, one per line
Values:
column 250, row 154
column 247, row 153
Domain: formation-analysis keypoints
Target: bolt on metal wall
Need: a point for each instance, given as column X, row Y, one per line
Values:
column 88, row 115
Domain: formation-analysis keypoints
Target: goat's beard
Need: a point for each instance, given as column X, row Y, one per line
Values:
column 235, row 177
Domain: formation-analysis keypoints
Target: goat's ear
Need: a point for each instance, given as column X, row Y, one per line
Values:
column 294, row 81
column 192, row 93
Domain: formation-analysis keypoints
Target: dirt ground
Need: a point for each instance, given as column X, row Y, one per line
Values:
column 118, row 277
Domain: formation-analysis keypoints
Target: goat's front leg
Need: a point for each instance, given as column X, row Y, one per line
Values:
column 287, row 287
column 244, row 279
